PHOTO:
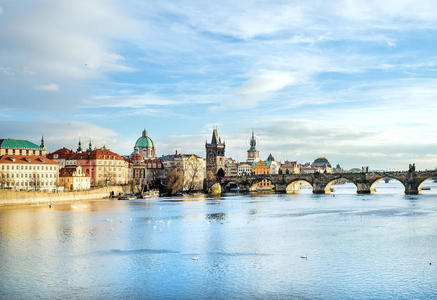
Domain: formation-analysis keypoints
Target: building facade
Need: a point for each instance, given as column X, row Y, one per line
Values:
column 261, row 167
column 28, row 172
column 289, row 167
column 102, row 165
column 244, row 169
column 74, row 179
column 215, row 155
column 274, row 165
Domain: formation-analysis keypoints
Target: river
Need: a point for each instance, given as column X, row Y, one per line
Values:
column 263, row 246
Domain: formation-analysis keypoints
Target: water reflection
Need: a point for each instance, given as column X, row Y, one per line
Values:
column 239, row 246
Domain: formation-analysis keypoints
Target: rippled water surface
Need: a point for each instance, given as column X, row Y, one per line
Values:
column 239, row 246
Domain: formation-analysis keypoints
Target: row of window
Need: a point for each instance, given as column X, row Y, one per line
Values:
column 25, row 167
column 31, row 183
column 22, row 152
column 109, row 175
column 27, row 175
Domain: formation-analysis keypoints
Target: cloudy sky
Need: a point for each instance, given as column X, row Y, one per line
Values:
column 355, row 81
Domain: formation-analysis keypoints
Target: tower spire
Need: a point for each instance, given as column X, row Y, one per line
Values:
column 253, row 141
column 42, row 142
column 90, row 147
column 79, row 147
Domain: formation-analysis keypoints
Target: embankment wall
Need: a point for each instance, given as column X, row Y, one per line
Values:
column 10, row 197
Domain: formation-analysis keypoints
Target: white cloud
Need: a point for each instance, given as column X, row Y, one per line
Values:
column 266, row 82
column 51, row 87
column 128, row 101
column 76, row 41
column 59, row 133
column 257, row 89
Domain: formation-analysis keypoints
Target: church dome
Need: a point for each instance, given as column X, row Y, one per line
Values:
column 144, row 141
column 321, row 162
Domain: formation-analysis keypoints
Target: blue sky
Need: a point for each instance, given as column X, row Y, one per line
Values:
column 354, row 81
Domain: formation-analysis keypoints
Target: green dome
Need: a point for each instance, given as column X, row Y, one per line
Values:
column 144, row 141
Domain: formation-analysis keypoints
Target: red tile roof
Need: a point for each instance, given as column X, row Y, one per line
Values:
column 68, row 172
column 26, row 159
column 96, row 154
column 62, row 153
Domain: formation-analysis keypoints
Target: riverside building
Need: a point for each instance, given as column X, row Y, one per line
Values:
column 23, row 166
column 28, row 172
column 103, row 166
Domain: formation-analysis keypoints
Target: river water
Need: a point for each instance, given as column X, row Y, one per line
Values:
column 265, row 246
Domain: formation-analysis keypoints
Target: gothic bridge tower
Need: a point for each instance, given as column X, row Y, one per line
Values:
column 215, row 154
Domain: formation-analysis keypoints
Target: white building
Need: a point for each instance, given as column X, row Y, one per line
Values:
column 244, row 168
column 28, row 172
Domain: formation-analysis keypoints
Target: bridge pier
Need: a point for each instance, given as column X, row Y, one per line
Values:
column 364, row 188
column 280, row 188
column 412, row 183
column 412, row 189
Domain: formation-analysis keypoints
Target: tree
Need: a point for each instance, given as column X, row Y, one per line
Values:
column 175, row 182
column 194, row 169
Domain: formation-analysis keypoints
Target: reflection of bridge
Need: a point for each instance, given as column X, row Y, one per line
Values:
column 321, row 182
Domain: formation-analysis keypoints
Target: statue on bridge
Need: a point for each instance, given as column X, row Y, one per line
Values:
column 412, row 168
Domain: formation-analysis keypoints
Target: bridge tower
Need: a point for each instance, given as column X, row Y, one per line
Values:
column 215, row 154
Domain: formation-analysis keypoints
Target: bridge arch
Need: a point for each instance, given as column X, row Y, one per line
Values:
column 261, row 185
column 231, row 186
column 339, row 180
column 419, row 188
column 294, row 186
column 378, row 180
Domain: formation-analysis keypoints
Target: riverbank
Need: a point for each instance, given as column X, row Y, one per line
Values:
column 10, row 197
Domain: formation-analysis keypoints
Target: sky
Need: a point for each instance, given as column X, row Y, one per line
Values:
column 355, row 81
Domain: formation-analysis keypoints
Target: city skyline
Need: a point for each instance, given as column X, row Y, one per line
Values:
column 350, row 81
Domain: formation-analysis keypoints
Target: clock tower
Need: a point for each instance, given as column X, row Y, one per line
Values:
column 252, row 153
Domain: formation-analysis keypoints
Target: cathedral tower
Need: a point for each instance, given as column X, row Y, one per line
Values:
column 215, row 154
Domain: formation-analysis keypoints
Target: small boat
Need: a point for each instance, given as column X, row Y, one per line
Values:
column 426, row 188
column 127, row 197
column 150, row 194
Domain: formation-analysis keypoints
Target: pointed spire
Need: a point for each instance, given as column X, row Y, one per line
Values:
column 42, row 142
column 90, row 147
column 215, row 137
column 79, row 147
column 252, row 142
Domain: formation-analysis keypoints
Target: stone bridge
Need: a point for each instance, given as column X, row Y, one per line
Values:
column 321, row 182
